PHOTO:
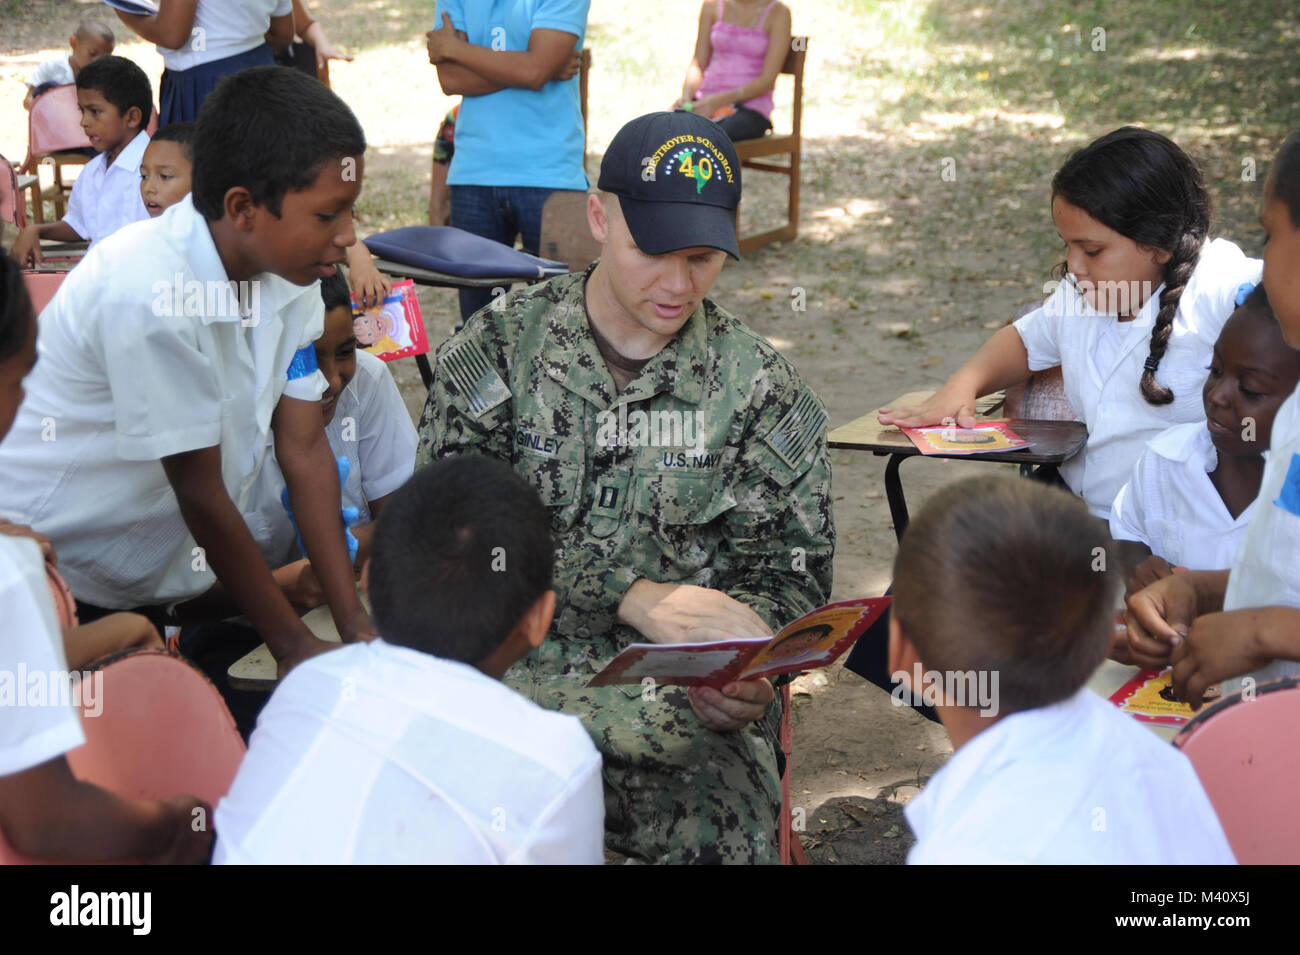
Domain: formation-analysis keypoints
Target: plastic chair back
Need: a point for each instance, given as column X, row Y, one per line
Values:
column 1244, row 751
column 162, row 729
column 41, row 287
column 53, row 125
column 12, row 207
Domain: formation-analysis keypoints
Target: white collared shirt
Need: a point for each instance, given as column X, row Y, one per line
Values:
column 378, row 754
column 1104, row 392
column 224, row 28
column 32, row 731
column 57, row 71
column 1076, row 783
column 372, row 429
column 143, row 354
column 1171, row 505
column 105, row 198
column 1266, row 572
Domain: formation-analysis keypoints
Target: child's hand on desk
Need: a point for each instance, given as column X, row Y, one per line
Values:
column 300, row 585
column 1224, row 645
column 941, row 408
column 358, row 627
column 1158, row 619
column 306, row 648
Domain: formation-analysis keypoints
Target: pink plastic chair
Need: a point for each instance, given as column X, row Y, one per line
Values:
column 163, row 730
column 41, row 287
column 1244, row 752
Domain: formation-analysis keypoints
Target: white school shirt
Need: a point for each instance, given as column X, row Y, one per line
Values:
column 32, row 643
column 1266, row 572
column 126, row 377
column 57, row 71
column 1171, row 505
column 373, row 429
column 105, row 198
column 379, row 754
column 1104, row 392
column 224, row 28
column 1075, row 783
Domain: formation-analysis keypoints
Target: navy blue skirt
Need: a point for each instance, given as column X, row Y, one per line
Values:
column 182, row 92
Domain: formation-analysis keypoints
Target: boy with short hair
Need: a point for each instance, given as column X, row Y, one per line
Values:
column 167, row 168
column 92, row 40
column 173, row 351
column 116, row 102
column 998, row 576
column 409, row 749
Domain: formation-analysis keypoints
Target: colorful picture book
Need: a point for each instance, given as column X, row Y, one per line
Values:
column 1148, row 697
column 814, row 640
column 393, row 330
column 985, row 439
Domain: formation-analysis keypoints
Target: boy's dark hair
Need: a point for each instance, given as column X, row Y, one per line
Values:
column 335, row 292
column 268, row 129
column 1143, row 186
column 180, row 133
column 120, row 82
column 1285, row 176
column 15, row 308
column 458, row 556
column 1008, row 575
column 94, row 27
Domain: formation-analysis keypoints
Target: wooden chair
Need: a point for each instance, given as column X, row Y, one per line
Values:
column 751, row 152
column 1243, row 750
column 12, row 207
column 1042, row 397
column 789, row 848
column 54, row 138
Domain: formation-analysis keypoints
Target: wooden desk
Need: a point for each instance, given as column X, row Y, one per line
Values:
column 256, row 670
column 1053, row 443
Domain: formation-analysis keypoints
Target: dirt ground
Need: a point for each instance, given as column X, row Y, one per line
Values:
column 931, row 131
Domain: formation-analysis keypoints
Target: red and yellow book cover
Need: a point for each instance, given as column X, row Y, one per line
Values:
column 985, row 439
column 394, row 329
column 814, row 640
column 1148, row 697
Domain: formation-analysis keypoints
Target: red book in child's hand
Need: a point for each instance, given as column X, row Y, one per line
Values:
column 814, row 640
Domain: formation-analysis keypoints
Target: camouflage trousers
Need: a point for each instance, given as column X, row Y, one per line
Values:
column 675, row 791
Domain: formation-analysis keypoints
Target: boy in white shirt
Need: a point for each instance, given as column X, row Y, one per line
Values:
column 1193, row 490
column 92, row 40
column 409, row 749
column 172, row 352
column 996, row 587
column 367, row 423
column 116, row 102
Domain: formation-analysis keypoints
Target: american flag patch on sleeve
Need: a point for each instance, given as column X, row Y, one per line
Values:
column 798, row 430
column 473, row 377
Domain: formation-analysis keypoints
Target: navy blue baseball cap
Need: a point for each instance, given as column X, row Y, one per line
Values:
column 677, row 178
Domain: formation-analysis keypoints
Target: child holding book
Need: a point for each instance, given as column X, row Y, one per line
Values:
column 368, row 425
column 172, row 354
column 1134, row 323
column 1049, row 773
column 116, row 102
column 45, row 812
column 409, row 749
column 91, row 40
column 1193, row 490
column 1225, row 625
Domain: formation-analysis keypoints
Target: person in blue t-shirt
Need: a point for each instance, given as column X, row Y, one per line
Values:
column 519, row 135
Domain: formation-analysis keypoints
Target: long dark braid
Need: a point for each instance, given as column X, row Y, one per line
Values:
column 1143, row 186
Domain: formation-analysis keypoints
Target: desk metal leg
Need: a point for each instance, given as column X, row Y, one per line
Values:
column 894, row 494
column 426, row 372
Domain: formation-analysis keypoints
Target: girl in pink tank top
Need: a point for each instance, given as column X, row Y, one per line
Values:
column 738, row 55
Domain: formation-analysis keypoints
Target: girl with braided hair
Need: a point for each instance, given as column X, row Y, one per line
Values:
column 1143, row 296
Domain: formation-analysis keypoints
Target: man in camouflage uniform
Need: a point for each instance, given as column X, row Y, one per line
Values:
column 684, row 463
